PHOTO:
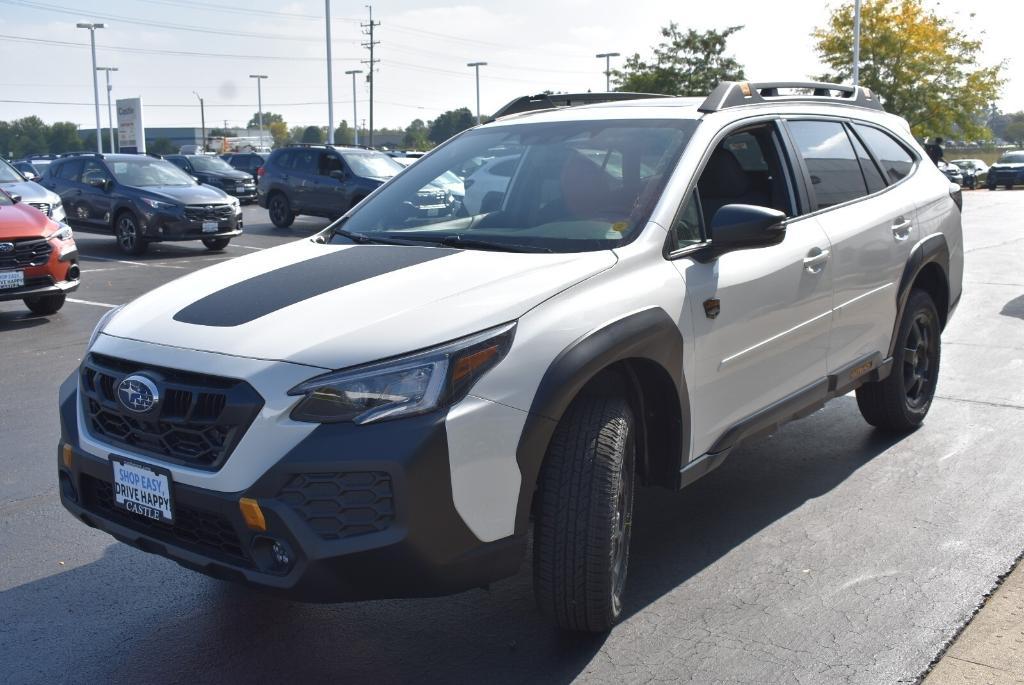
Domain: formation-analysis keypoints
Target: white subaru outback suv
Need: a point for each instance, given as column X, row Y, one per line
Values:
column 391, row 407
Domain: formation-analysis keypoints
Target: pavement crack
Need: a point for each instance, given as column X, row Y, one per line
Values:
column 1006, row 405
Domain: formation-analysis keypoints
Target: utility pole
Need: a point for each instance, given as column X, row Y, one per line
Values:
column 355, row 120
column 110, row 112
column 476, row 66
column 856, row 42
column 95, row 80
column 330, row 79
column 368, row 30
column 607, row 56
column 202, row 118
column 259, row 101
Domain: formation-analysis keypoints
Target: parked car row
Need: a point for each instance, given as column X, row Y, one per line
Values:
column 1008, row 171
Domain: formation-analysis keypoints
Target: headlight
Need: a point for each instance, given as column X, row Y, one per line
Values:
column 57, row 212
column 104, row 320
column 63, row 232
column 232, row 200
column 404, row 386
column 158, row 204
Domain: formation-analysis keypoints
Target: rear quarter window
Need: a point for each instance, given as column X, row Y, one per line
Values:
column 897, row 162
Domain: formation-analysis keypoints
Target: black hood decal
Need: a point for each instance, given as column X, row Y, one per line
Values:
column 258, row 296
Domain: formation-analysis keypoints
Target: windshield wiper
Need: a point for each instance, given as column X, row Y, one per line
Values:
column 477, row 244
column 363, row 239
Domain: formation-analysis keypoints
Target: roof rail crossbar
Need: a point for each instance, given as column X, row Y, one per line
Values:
column 737, row 93
column 83, row 153
column 531, row 103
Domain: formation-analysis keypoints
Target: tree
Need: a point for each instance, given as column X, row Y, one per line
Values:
column 343, row 135
column 449, row 123
column 29, row 136
column 279, row 132
column 416, row 136
column 1014, row 131
column 268, row 119
column 161, row 146
column 220, row 133
column 923, row 67
column 690, row 63
column 312, row 134
column 63, row 137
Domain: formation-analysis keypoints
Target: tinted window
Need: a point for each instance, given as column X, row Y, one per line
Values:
column 831, row 162
column 94, row 171
column 895, row 160
column 177, row 161
column 284, row 159
column 304, row 161
column 872, row 175
column 1012, row 158
column 8, row 174
column 71, row 170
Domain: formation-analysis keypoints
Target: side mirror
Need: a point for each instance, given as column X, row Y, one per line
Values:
column 744, row 227
column 15, row 198
column 337, row 174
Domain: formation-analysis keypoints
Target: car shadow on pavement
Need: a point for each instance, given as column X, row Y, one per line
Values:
column 1014, row 308
column 102, row 621
column 20, row 320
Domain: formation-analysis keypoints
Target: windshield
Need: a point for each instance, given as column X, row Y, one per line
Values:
column 1012, row 158
column 9, row 174
column 372, row 165
column 562, row 187
column 146, row 172
column 211, row 164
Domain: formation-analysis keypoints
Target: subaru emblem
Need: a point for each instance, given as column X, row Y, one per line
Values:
column 138, row 394
column 6, row 247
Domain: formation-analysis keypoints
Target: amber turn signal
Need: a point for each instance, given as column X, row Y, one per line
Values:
column 252, row 514
column 67, row 455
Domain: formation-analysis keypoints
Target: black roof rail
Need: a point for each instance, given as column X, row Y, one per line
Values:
column 80, row 153
column 737, row 93
column 531, row 103
column 327, row 145
column 153, row 154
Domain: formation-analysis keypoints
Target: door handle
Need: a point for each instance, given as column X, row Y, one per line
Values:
column 815, row 261
column 901, row 229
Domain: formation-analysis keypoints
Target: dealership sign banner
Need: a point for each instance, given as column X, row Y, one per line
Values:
column 131, row 134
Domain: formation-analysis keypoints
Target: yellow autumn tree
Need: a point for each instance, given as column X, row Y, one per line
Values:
column 925, row 68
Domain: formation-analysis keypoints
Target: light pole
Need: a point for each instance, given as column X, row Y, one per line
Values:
column 330, row 81
column 110, row 112
column 202, row 119
column 95, row 80
column 607, row 56
column 259, row 101
column 856, row 42
column 355, row 121
column 476, row 66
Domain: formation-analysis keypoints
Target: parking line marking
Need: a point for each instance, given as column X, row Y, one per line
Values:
column 130, row 263
column 249, row 247
column 94, row 304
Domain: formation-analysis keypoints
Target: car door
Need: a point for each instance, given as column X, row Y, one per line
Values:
column 333, row 189
column 301, row 179
column 761, row 316
column 96, row 184
column 65, row 181
column 871, row 231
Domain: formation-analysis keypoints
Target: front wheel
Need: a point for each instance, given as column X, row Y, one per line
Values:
column 280, row 211
column 44, row 305
column 129, row 237
column 216, row 243
column 899, row 403
column 584, row 516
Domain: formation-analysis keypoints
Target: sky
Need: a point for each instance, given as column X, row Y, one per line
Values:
column 167, row 50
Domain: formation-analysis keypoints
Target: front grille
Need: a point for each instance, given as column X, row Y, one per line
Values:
column 26, row 253
column 208, row 212
column 43, row 207
column 197, row 421
column 342, row 505
column 202, row 531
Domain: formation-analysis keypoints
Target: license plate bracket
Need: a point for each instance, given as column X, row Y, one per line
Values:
column 210, row 226
column 11, row 279
column 142, row 489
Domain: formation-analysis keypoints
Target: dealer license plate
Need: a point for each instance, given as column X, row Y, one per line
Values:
column 240, row 189
column 142, row 490
column 11, row 279
column 210, row 226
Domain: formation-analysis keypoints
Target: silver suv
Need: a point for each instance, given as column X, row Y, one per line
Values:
column 15, row 183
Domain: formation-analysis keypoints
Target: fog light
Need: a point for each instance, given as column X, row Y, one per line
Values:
column 67, row 488
column 282, row 555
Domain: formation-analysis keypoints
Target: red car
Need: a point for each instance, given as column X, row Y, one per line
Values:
column 38, row 257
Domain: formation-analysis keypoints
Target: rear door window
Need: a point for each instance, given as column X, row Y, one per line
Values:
column 896, row 160
column 70, row 170
column 831, row 162
column 872, row 176
column 305, row 161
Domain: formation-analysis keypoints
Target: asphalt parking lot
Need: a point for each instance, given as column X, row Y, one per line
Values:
column 826, row 553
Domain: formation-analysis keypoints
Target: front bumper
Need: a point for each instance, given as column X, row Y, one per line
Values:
column 367, row 512
column 41, row 285
column 166, row 226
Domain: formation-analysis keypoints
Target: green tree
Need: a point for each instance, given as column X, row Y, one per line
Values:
column 312, row 134
column 295, row 134
column 684, row 63
column 63, row 137
column 268, row 119
column 279, row 132
column 449, row 123
column 220, row 133
column 416, row 136
column 1014, row 131
column 923, row 67
column 29, row 136
column 161, row 146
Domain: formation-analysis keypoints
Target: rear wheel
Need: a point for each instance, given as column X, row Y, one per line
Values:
column 280, row 211
column 45, row 304
column 129, row 236
column 583, row 521
column 1009, row 186
column 900, row 402
column 216, row 243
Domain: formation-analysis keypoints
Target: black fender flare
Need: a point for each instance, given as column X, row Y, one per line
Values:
column 650, row 334
column 933, row 249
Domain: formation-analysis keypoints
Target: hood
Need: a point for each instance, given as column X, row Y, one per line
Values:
column 31, row 191
column 233, row 175
column 22, row 221
column 335, row 306
column 189, row 195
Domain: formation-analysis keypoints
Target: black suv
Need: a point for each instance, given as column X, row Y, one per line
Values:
column 249, row 162
column 322, row 180
column 142, row 199
column 214, row 171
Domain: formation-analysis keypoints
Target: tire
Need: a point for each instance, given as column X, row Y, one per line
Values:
column 1009, row 186
column 899, row 403
column 129, row 237
column 583, row 519
column 991, row 187
column 216, row 243
column 280, row 210
column 44, row 305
